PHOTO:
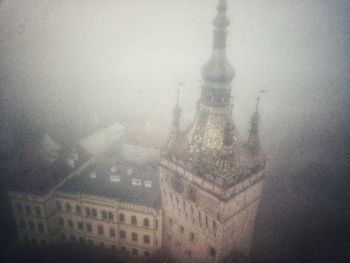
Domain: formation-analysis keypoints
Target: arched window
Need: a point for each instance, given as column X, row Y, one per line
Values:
column 87, row 211
column 58, row 205
column 134, row 220
column 68, row 207
column 121, row 218
column 94, row 212
column 146, row 222
column 110, row 216
column 104, row 214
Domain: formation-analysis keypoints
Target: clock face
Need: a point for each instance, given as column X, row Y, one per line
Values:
column 177, row 184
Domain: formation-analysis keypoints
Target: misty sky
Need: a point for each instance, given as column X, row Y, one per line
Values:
column 72, row 58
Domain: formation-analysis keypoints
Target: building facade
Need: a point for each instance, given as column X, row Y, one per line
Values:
column 111, row 200
column 211, row 179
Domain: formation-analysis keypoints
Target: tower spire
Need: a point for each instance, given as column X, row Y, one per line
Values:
column 218, row 73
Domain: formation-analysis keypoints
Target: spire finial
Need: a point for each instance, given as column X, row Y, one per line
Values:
column 220, row 23
column 218, row 73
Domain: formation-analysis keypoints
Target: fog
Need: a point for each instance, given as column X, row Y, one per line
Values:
column 64, row 62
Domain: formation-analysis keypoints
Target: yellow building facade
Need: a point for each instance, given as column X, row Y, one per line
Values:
column 111, row 203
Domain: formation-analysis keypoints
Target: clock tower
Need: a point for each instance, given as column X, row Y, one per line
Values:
column 211, row 179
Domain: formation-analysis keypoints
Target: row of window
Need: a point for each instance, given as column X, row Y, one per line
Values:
column 27, row 209
column 177, row 244
column 34, row 241
column 92, row 212
column 73, row 238
column 100, row 230
column 133, row 220
column 31, row 225
column 202, row 218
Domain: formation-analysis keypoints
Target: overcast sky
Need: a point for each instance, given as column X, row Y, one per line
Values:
column 74, row 58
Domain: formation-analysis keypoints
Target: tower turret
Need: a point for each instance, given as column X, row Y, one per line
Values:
column 175, row 127
column 253, row 139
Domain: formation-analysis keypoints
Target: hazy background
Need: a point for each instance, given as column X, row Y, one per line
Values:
column 65, row 62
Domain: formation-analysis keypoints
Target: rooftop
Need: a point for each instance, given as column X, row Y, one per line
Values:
column 118, row 178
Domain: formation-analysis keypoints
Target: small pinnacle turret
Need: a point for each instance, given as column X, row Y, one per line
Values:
column 175, row 127
column 253, row 139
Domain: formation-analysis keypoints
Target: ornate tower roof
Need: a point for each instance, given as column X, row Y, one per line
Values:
column 211, row 146
column 213, row 127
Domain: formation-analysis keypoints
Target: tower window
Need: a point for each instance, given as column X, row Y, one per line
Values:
column 77, row 209
column 110, row 216
column 28, row 210
column 181, row 229
column 121, row 218
column 214, row 225
column 40, row 227
column 80, row 225
column 37, row 211
column 31, row 225
column 112, row 232
column 146, row 239
column 212, row 252
column 122, row 234
column 87, row 211
column 68, row 207
column 146, row 222
column 100, row 230
column 134, row 220
column 88, row 227
column 94, row 212
column 134, row 237
column 104, row 215
column 192, row 236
